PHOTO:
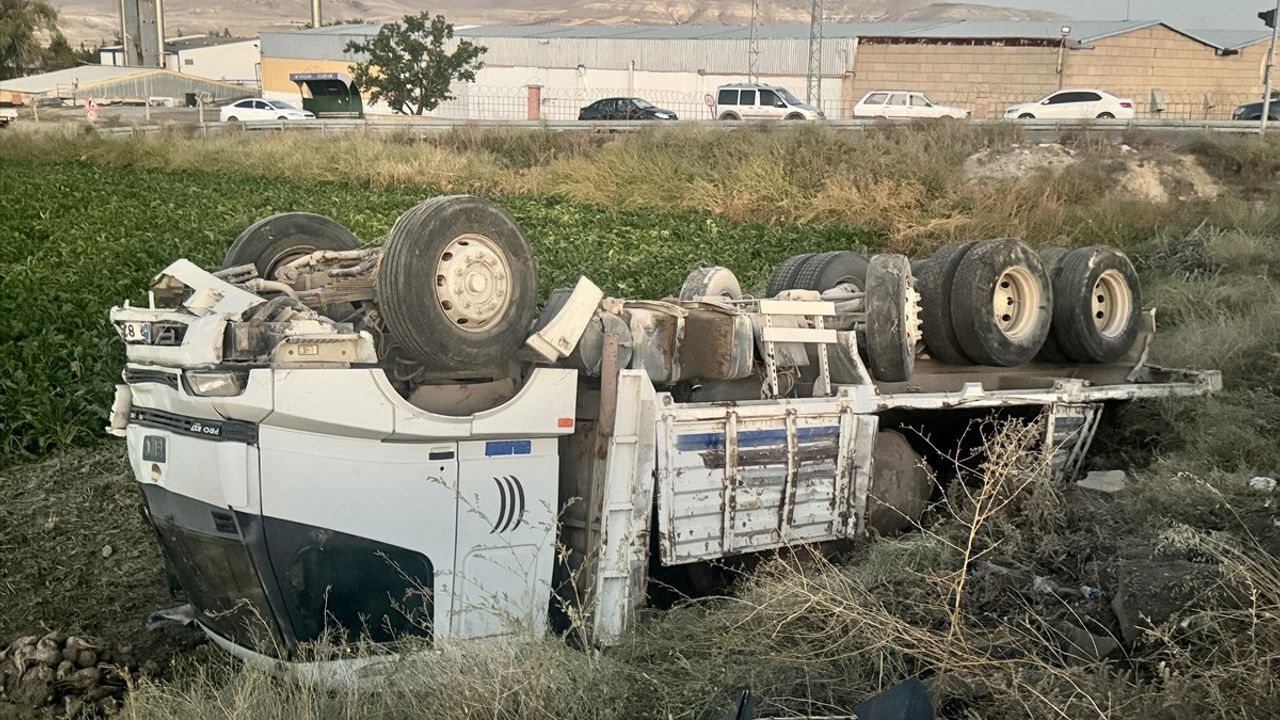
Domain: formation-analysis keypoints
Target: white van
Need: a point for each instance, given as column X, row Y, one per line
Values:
column 755, row 101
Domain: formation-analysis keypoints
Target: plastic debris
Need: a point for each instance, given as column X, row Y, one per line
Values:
column 1262, row 483
column 1107, row 481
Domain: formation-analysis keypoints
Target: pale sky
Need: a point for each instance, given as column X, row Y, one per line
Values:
column 1204, row 14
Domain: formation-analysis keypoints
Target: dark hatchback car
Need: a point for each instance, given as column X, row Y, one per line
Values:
column 624, row 109
column 1253, row 111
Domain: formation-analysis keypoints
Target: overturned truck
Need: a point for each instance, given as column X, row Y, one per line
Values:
column 393, row 442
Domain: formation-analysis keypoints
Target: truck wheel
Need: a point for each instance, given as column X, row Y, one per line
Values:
column 784, row 276
column 827, row 270
column 711, row 281
column 279, row 239
column 893, row 318
column 900, row 484
column 1002, row 303
column 1097, row 309
column 1051, row 352
column 457, row 283
column 934, row 283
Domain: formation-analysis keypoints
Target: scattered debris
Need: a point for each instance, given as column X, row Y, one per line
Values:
column 1106, row 481
column 1263, row 484
column 106, row 551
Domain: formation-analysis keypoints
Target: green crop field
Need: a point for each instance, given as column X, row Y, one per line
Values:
column 78, row 238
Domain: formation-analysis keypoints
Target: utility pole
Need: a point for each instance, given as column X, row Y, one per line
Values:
column 1271, row 18
column 753, row 49
column 813, row 79
column 316, row 20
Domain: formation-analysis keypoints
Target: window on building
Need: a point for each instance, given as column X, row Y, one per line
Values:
column 898, row 100
column 876, row 99
column 728, row 97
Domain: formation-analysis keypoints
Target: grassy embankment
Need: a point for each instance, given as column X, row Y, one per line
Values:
column 87, row 224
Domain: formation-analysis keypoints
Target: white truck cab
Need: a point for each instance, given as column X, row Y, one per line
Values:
column 756, row 101
column 309, row 480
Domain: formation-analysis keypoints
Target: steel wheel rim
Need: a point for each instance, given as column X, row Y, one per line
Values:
column 473, row 282
column 1015, row 303
column 1111, row 304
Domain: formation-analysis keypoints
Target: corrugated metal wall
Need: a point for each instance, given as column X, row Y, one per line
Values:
column 777, row 57
column 788, row 56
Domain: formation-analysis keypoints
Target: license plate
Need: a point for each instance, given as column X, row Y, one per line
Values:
column 136, row 332
column 153, row 448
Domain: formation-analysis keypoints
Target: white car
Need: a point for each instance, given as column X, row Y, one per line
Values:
column 262, row 109
column 904, row 104
column 756, row 101
column 1074, row 105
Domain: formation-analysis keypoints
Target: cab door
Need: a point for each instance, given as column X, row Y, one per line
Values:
column 508, row 509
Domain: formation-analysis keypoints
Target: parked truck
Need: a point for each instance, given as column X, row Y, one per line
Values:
column 392, row 441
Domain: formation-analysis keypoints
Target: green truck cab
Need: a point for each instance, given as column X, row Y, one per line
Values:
column 329, row 95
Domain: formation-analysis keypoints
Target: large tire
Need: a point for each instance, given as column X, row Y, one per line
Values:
column 827, row 270
column 457, row 283
column 784, row 276
column 276, row 240
column 1097, row 311
column 713, row 281
column 934, row 284
column 892, row 327
column 900, row 484
column 1002, row 303
column 1050, row 352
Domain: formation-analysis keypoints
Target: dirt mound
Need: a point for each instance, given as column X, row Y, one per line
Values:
column 1017, row 162
column 1159, row 178
column 1162, row 179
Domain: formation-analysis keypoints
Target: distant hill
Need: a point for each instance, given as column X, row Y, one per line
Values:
column 95, row 21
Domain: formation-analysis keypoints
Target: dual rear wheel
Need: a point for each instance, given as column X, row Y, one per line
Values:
column 999, row 303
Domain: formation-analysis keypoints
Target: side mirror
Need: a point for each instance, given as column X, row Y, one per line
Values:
column 780, row 104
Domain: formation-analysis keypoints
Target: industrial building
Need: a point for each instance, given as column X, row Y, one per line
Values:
column 225, row 59
column 107, row 84
column 551, row 71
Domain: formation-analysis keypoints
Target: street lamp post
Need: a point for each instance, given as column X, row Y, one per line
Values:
column 1271, row 64
column 1062, row 51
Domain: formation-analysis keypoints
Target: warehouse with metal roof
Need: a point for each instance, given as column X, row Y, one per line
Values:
column 549, row 71
column 106, row 83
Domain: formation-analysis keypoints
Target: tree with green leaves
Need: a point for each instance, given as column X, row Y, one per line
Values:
column 21, row 22
column 408, row 66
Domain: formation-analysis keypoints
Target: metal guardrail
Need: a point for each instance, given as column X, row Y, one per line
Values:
column 423, row 126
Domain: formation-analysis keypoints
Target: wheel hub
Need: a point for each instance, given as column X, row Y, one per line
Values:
column 473, row 282
column 1015, row 302
column 1111, row 303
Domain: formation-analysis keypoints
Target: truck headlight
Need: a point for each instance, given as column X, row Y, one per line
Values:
column 214, row 383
